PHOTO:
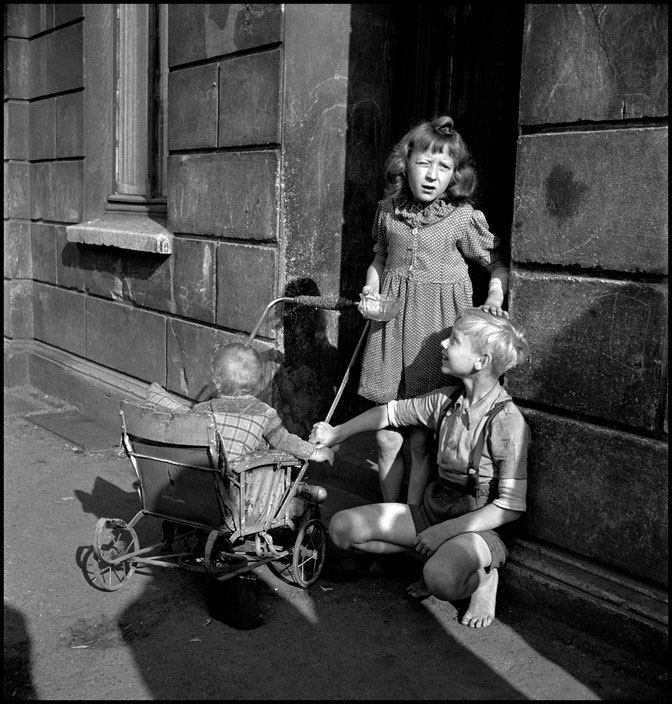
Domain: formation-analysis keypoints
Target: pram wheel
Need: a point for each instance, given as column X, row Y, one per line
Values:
column 310, row 549
column 112, row 540
column 304, row 564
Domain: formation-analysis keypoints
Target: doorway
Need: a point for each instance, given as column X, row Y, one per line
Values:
column 464, row 60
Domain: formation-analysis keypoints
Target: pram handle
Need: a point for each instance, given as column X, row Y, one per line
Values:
column 328, row 302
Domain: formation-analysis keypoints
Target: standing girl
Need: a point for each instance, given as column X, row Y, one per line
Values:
column 424, row 231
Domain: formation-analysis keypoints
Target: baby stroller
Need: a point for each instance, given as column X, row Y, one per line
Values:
column 220, row 517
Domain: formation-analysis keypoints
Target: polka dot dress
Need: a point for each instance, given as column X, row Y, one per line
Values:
column 426, row 250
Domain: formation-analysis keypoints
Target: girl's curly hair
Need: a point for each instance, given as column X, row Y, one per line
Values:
column 435, row 135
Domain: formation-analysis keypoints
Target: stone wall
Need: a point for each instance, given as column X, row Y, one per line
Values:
column 258, row 139
column 589, row 282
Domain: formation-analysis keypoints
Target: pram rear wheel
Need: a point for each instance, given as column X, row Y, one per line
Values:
column 309, row 552
column 112, row 540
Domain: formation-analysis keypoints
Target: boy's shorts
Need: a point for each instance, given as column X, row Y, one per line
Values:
column 441, row 503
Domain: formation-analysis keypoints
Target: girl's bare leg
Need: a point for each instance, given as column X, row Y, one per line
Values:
column 457, row 571
column 376, row 528
column 391, row 466
column 422, row 464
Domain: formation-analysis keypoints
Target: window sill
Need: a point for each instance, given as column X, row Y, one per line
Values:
column 135, row 231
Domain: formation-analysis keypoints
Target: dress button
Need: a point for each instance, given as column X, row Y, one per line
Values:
column 414, row 231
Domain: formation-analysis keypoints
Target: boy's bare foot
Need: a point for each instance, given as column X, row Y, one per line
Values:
column 417, row 591
column 481, row 609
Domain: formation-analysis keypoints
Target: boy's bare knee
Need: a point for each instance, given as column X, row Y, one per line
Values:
column 389, row 441
column 340, row 530
column 440, row 581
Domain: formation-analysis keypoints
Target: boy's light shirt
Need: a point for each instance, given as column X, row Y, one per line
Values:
column 509, row 433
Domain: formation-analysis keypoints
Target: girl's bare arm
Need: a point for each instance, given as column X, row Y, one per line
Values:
column 499, row 286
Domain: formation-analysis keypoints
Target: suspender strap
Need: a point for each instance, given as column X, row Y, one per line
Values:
column 444, row 411
column 474, row 467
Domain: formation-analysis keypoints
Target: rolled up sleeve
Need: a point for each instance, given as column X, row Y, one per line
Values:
column 510, row 440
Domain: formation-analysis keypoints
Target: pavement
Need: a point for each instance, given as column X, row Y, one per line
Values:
column 350, row 636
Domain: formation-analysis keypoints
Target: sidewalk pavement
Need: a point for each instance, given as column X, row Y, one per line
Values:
column 349, row 639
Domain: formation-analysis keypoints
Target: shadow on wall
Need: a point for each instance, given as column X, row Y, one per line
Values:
column 305, row 383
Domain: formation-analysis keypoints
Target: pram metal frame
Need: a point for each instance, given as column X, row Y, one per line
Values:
column 184, row 478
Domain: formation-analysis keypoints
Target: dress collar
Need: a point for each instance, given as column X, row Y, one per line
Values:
column 416, row 214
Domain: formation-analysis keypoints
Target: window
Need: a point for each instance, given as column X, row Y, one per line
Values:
column 128, row 114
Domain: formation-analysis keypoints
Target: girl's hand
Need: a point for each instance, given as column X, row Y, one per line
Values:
column 431, row 539
column 369, row 292
column 494, row 307
column 322, row 434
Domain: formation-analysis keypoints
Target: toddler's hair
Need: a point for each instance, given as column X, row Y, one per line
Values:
column 502, row 339
column 435, row 135
column 236, row 369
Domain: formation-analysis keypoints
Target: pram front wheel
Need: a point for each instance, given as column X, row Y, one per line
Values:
column 309, row 552
column 113, row 539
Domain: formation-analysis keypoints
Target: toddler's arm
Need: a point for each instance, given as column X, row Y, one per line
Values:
column 322, row 454
column 499, row 285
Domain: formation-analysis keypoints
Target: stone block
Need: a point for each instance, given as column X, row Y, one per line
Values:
column 67, row 12
column 192, row 107
column 246, row 276
column 127, row 339
column 194, row 279
column 598, row 347
column 16, row 365
column 43, row 248
column 21, row 309
column 69, row 120
column 200, row 32
column 183, row 284
column 96, row 270
column 42, row 129
column 56, row 190
column 7, row 308
column 16, row 130
column 17, row 190
column 600, row 493
column 59, row 318
column 249, row 102
column 594, row 62
column 17, row 261
column 18, row 80
column 57, row 61
column 26, row 19
column 593, row 199
column 224, row 194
